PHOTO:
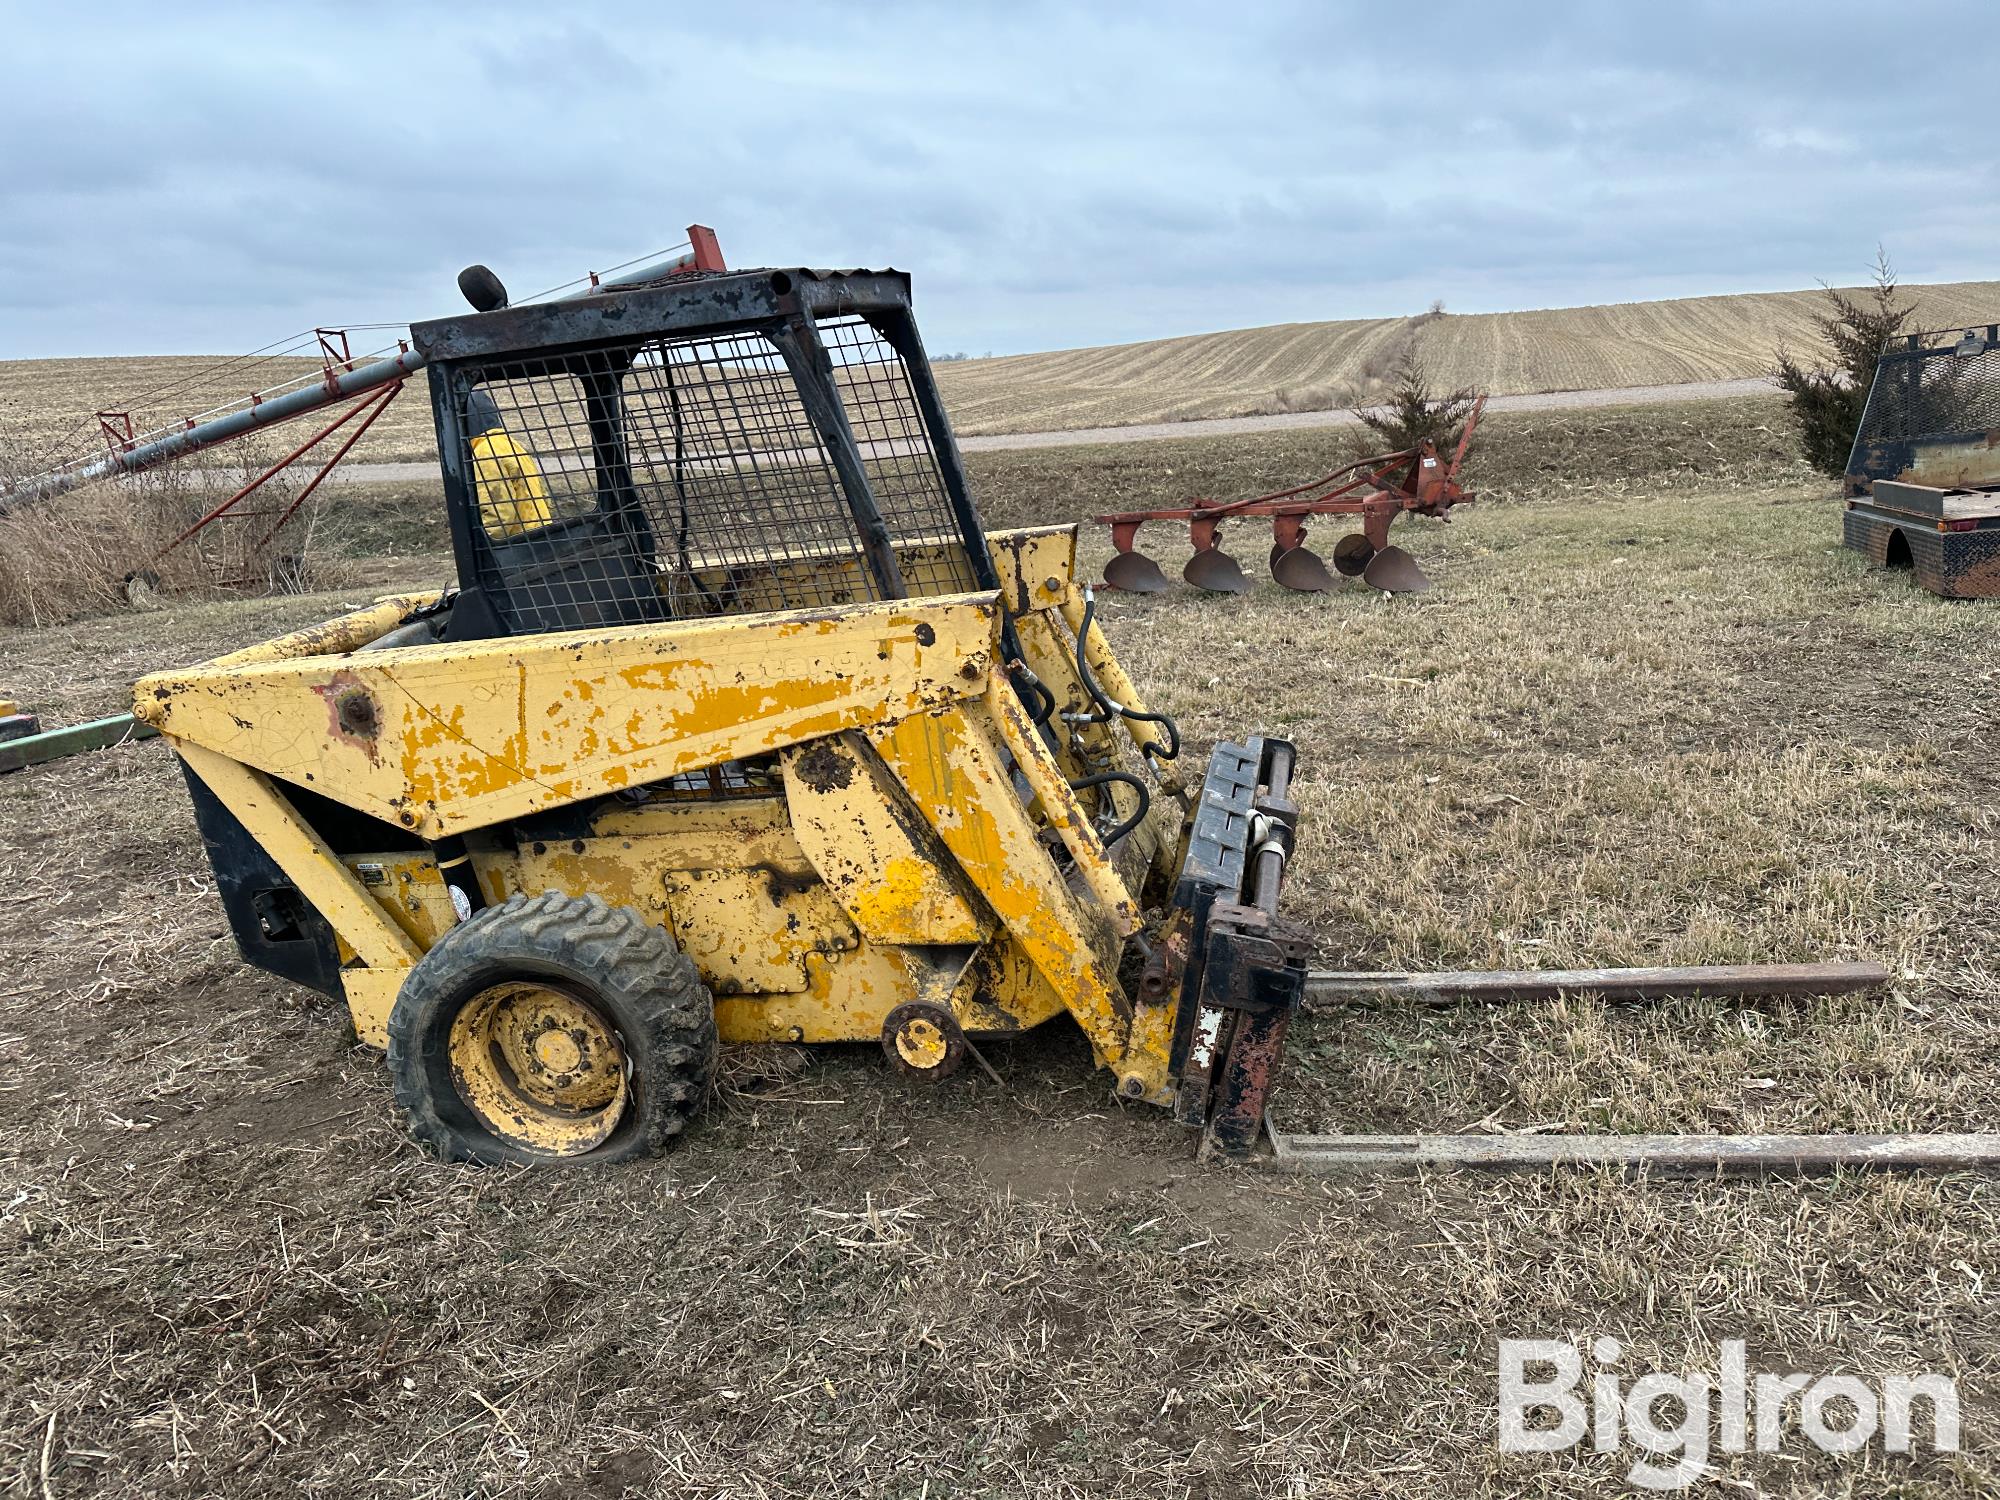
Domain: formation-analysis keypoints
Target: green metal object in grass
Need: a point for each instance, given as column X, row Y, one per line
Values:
column 74, row 739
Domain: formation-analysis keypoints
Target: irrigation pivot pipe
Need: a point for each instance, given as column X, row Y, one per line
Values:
column 702, row 254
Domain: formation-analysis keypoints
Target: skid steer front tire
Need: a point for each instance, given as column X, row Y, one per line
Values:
column 552, row 1029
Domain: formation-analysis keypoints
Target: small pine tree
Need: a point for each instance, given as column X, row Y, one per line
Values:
column 1828, row 396
column 1413, row 412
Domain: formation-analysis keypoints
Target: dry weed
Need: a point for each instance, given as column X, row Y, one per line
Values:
column 126, row 542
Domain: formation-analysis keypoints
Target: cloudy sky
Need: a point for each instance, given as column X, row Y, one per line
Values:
column 207, row 178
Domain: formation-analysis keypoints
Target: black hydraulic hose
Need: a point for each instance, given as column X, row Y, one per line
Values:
column 1108, row 706
column 1106, row 709
column 1105, row 778
column 1044, row 699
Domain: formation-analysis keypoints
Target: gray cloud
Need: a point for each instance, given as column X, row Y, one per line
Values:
column 207, row 178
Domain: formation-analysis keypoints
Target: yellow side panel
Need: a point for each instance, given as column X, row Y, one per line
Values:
column 371, row 995
column 845, row 999
column 709, row 831
column 450, row 737
column 848, row 996
column 408, row 887
column 726, row 878
column 873, row 849
column 749, row 931
column 1036, row 564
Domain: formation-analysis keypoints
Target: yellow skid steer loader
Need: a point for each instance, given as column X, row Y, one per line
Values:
column 738, row 727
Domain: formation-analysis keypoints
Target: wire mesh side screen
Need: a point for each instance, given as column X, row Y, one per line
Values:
column 1925, row 396
column 684, row 477
column 897, row 453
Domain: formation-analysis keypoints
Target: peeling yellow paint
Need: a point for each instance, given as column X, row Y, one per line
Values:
column 457, row 754
column 892, row 852
column 953, row 771
column 873, row 848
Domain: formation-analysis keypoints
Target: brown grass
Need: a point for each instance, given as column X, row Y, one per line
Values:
column 1646, row 714
column 116, row 544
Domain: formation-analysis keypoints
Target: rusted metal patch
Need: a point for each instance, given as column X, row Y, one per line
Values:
column 823, row 768
column 353, row 715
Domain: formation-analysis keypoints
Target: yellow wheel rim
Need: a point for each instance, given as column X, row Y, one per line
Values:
column 541, row 1067
column 921, row 1043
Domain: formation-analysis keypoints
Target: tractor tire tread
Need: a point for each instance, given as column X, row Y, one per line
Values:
column 652, row 989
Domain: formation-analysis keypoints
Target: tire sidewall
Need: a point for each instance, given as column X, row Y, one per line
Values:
column 434, row 995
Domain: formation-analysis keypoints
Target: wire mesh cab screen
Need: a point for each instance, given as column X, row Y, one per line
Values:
column 1933, row 413
column 741, row 443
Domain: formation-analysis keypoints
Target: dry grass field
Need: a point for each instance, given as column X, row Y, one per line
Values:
column 46, row 406
column 1319, row 366
column 1650, row 712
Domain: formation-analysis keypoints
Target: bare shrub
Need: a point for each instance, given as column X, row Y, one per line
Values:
column 1379, row 362
column 1385, row 366
column 1289, row 398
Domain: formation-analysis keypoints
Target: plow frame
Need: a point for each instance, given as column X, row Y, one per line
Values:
column 1377, row 489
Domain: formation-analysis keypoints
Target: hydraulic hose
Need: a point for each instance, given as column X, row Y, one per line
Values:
column 1046, row 700
column 1108, row 706
column 1105, row 778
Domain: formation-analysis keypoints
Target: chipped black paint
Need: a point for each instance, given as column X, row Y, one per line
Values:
column 823, row 768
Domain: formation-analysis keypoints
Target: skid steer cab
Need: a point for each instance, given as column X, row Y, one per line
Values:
column 738, row 727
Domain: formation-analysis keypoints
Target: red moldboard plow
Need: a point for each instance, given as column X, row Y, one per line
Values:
column 1377, row 490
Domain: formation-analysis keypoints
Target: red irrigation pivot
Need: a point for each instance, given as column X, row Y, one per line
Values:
column 1378, row 489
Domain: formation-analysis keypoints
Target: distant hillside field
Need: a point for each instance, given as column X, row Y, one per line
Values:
column 46, row 405
column 1320, row 366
